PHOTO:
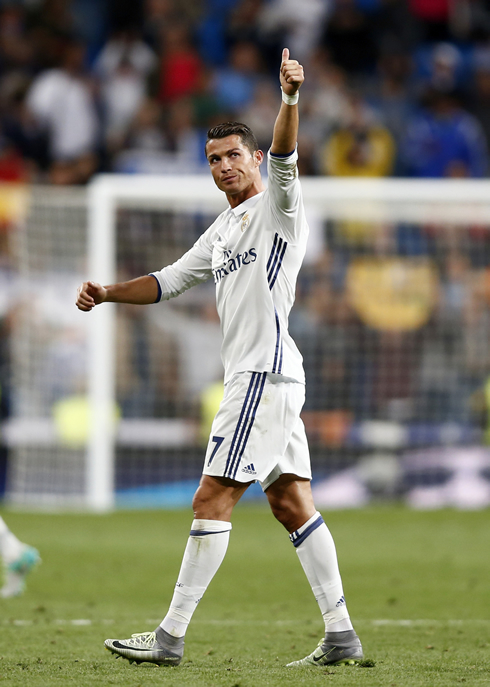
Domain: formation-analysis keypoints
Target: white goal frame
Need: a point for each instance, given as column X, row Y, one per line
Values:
column 378, row 200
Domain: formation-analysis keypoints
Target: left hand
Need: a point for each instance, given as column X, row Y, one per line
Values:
column 291, row 74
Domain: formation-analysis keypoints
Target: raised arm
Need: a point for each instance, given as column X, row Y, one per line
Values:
column 141, row 291
column 286, row 127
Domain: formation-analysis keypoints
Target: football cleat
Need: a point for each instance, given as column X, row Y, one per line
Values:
column 338, row 648
column 145, row 647
column 17, row 570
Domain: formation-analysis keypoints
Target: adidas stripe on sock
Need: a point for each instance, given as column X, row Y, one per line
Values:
column 316, row 551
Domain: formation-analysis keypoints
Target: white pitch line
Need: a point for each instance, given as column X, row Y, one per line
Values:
column 422, row 621
column 83, row 622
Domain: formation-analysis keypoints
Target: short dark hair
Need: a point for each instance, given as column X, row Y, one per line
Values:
column 245, row 133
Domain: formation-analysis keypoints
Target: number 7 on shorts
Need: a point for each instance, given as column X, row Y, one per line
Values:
column 218, row 441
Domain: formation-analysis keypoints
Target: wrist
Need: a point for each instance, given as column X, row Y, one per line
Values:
column 290, row 99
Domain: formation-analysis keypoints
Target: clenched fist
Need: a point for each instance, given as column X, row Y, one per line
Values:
column 90, row 294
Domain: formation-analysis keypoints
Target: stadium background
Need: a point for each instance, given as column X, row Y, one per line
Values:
column 393, row 318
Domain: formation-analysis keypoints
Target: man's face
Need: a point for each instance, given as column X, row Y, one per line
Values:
column 233, row 166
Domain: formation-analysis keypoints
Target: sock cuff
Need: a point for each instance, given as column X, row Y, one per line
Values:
column 200, row 528
column 305, row 530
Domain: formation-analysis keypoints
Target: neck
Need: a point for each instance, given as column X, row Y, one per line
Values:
column 237, row 199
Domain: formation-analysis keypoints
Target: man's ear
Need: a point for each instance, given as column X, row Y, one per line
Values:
column 259, row 157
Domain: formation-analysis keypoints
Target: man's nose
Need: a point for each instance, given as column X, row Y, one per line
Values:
column 225, row 164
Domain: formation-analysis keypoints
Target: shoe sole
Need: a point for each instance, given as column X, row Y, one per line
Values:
column 165, row 662
column 346, row 662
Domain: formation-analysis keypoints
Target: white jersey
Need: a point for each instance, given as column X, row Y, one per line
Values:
column 254, row 253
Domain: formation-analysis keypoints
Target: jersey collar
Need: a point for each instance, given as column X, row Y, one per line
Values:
column 247, row 204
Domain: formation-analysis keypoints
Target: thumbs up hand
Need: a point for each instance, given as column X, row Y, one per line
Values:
column 291, row 74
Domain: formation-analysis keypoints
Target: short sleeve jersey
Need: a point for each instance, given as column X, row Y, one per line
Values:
column 253, row 252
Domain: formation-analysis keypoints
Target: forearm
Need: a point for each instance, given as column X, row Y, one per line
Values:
column 285, row 130
column 286, row 127
column 139, row 291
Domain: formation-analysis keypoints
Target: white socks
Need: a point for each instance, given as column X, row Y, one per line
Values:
column 316, row 551
column 10, row 546
column 204, row 553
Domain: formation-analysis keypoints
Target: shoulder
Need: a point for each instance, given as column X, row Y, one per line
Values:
column 212, row 232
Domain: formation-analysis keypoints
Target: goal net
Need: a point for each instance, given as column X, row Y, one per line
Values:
column 392, row 317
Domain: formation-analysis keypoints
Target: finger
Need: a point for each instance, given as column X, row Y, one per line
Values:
column 84, row 297
column 285, row 54
column 294, row 78
column 293, row 70
column 84, row 305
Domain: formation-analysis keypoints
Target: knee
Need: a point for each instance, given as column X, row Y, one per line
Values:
column 204, row 505
column 291, row 503
column 215, row 501
column 197, row 502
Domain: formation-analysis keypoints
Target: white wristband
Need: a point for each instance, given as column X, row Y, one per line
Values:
column 290, row 99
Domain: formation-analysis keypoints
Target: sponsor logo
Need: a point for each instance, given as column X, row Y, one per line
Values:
column 234, row 263
column 340, row 602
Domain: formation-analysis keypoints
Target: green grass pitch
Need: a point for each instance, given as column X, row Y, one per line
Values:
column 417, row 587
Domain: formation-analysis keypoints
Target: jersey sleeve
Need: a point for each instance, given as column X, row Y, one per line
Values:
column 285, row 193
column 194, row 267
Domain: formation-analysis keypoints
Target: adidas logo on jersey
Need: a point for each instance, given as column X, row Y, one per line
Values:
column 340, row 602
column 249, row 469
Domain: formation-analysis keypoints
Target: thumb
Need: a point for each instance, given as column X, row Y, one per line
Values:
column 285, row 54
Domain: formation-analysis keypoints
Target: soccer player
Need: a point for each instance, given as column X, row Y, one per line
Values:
column 253, row 251
column 18, row 559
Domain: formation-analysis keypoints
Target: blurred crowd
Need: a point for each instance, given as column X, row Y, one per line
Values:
column 394, row 87
column 393, row 320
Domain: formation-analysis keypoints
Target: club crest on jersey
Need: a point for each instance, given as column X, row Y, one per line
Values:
column 234, row 263
column 245, row 222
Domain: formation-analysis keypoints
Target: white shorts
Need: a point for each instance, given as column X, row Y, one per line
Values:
column 257, row 434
